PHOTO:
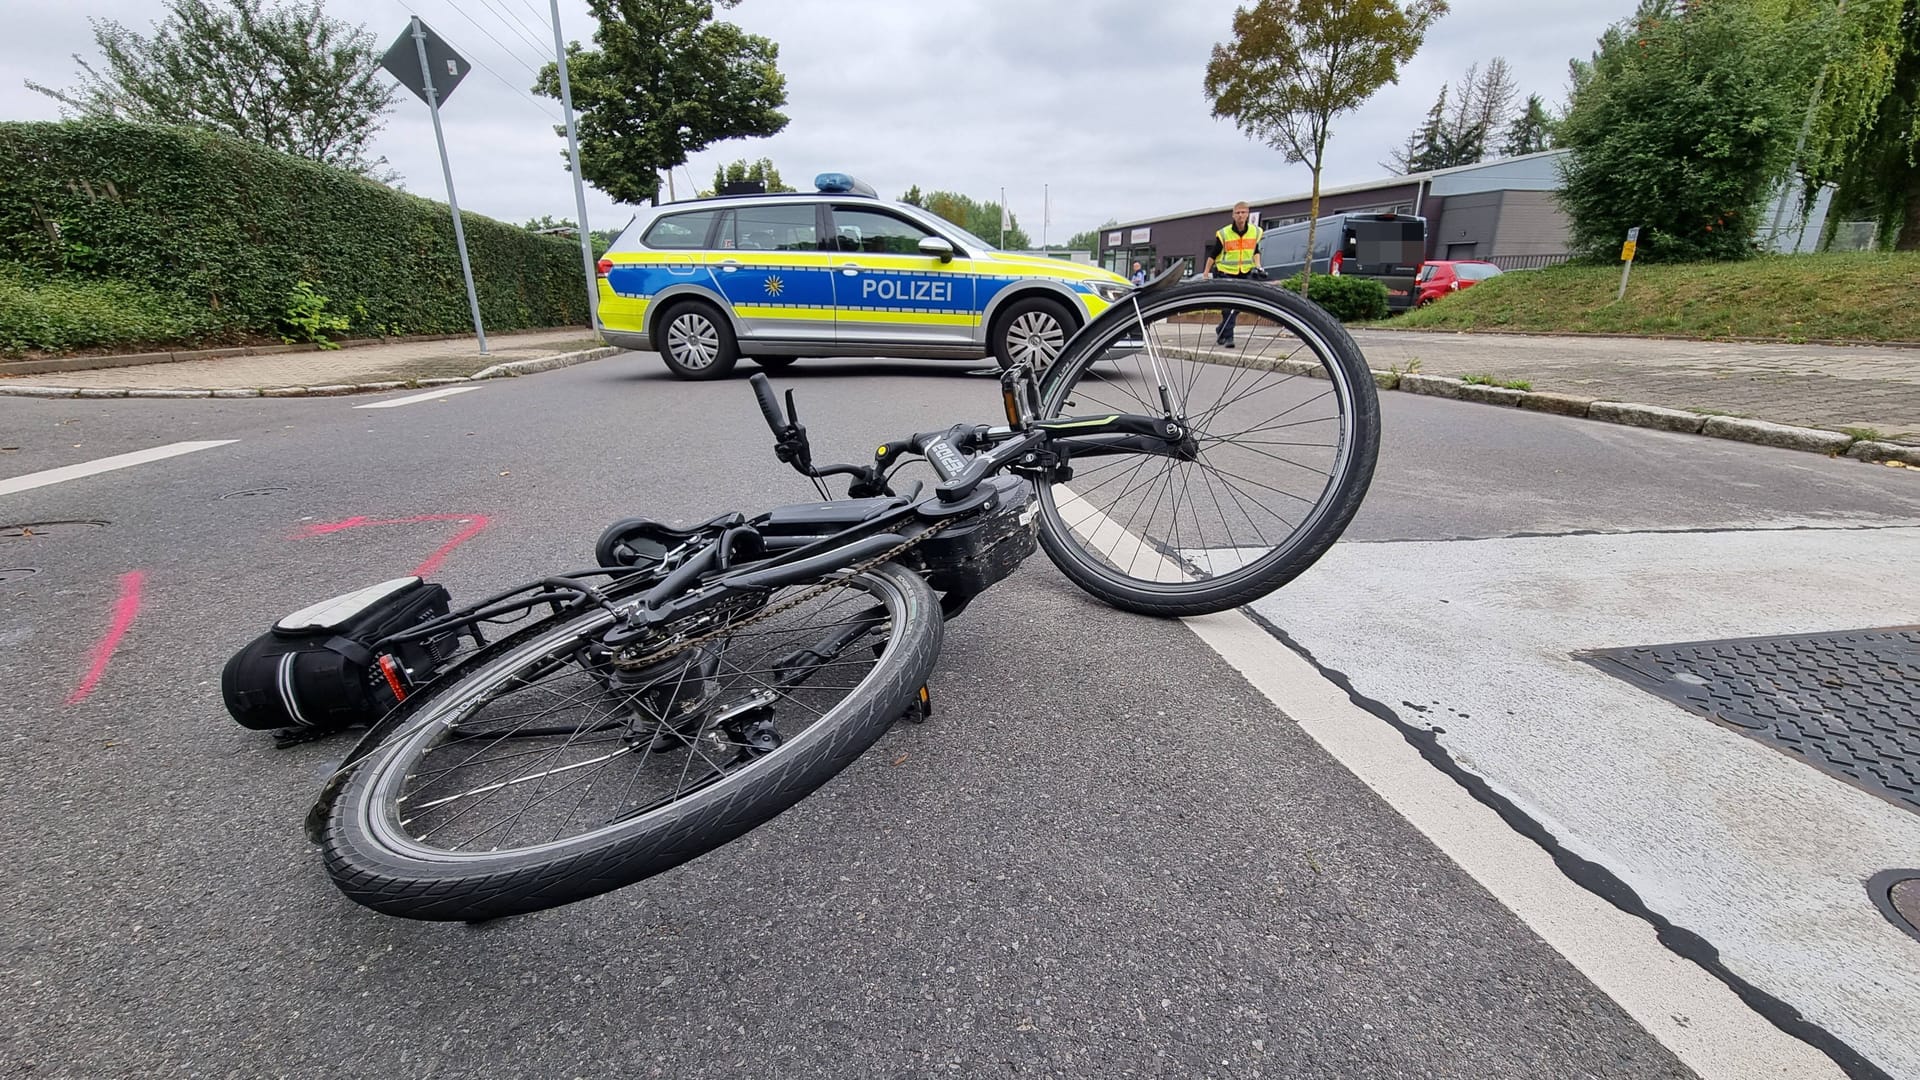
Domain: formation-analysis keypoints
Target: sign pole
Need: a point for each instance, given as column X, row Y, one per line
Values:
column 459, row 234
column 1626, row 257
column 579, row 191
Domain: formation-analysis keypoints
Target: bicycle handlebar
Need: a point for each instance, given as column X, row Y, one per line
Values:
column 769, row 405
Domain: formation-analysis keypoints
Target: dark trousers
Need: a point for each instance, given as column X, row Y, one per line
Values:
column 1224, row 332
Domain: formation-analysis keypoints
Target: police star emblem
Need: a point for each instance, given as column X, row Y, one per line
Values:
column 775, row 286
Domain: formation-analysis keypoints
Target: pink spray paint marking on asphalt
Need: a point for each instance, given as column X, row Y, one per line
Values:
column 479, row 522
column 124, row 611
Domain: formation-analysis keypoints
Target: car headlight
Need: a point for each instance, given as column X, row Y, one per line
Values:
column 1109, row 291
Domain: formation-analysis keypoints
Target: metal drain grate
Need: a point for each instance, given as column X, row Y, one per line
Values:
column 1847, row 703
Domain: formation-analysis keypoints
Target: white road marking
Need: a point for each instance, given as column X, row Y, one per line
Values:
column 1760, row 854
column 1693, row 1014
column 430, row 395
column 106, row 464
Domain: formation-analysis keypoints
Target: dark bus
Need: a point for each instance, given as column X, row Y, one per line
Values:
column 1386, row 247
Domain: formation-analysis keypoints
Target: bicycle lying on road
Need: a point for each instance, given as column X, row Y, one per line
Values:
column 702, row 679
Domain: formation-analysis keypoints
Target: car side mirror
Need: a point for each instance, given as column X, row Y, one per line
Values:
column 937, row 247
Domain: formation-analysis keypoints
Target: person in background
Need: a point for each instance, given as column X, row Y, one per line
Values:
column 1234, row 252
column 1139, row 274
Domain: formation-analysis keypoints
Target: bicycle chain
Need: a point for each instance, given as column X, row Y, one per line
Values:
column 785, row 605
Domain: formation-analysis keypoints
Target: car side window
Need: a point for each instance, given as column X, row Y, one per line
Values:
column 1470, row 272
column 770, row 228
column 1427, row 272
column 680, row 232
column 875, row 233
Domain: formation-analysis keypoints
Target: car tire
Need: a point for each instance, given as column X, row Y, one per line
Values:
column 1034, row 329
column 775, row 363
column 696, row 341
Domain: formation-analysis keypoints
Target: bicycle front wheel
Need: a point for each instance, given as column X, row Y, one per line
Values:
column 1284, row 427
column 565, row 762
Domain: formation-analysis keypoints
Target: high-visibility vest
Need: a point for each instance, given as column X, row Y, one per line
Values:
column 1236, row 250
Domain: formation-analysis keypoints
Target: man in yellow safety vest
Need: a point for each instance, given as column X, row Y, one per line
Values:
column 1233, row 252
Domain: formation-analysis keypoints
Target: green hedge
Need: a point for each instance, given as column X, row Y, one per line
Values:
column 1349, row 299
column 62, row 315
column 230, row 228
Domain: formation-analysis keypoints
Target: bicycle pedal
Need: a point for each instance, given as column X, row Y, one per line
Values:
column 921, row 708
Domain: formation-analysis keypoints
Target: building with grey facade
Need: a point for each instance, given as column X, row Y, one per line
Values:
column 1503, row 211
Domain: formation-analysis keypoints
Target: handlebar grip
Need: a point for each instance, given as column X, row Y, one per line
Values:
column 769, row 405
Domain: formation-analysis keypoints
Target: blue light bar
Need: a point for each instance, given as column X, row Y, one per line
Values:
column 835, row 183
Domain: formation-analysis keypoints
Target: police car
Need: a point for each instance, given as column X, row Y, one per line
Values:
column 833, row 272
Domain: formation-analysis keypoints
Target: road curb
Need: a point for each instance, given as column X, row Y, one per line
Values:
column 507, row 370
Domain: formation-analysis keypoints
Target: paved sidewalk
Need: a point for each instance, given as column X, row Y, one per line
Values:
column 1823, row 386
column 397, row 362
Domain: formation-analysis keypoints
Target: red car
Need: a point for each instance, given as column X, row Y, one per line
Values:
column 1444, row 276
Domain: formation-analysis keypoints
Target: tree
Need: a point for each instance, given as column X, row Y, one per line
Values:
column 1530, row 132
column 288, row 77
column 1492, row 98
column 1681, row 125
column 1879, row 171
column 979, row 218
column 666, row 81
column 1089, row 240
column 1294, row 65
column 761, row 171
column 912, row 196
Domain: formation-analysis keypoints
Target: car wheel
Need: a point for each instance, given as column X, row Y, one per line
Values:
column 696, row 341
column 775, row 363
column 1033, row 330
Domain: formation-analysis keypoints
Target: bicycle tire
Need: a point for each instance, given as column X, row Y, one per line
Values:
column 373, row 861
column 1110, row 366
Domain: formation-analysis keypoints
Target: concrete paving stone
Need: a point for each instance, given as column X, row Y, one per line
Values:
column 439, row 382
column 375, row 387
column 1785, row 436
column 1866, row 450
column 169, row 393
column 102, row 392
column 1490, row 395
column 1646, row 416
column 1431, row 385
column 284, row 391
column 1386, row 380
column 332, row 390
column 236, row 393
column 1558, row 404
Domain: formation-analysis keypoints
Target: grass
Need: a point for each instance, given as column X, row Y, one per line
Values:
column 1866, row 296
column 1488, row 380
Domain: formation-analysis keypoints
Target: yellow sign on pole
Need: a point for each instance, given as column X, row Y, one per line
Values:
column 1626, row 258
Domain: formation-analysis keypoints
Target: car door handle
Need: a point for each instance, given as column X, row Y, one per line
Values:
column 849, row 268
column 729, row 265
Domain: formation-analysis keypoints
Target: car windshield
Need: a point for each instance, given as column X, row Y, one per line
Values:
column 964, row 236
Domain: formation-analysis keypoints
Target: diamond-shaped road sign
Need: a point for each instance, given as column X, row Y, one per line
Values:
column 403, row 62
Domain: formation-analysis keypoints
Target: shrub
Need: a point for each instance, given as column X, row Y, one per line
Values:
column 232, row 227
column 1349, row 299
column 59, row 316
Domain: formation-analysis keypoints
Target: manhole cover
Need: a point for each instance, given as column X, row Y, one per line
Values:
column 251, row 492
column 1847, row 703
column 33, row 530
column 16, row 573
column 1897, row 894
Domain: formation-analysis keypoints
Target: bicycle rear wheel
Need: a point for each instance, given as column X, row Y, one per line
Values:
column 554, row 767
column 1284, row 422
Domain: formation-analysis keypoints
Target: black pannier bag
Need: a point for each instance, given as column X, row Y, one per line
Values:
column 317, row 670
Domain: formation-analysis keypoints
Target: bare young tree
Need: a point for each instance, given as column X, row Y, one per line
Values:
column 1294, row 65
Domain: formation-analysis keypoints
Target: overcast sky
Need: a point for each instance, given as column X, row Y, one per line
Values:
column 1098, row 100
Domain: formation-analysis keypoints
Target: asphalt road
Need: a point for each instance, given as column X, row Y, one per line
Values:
column 1106, row 855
